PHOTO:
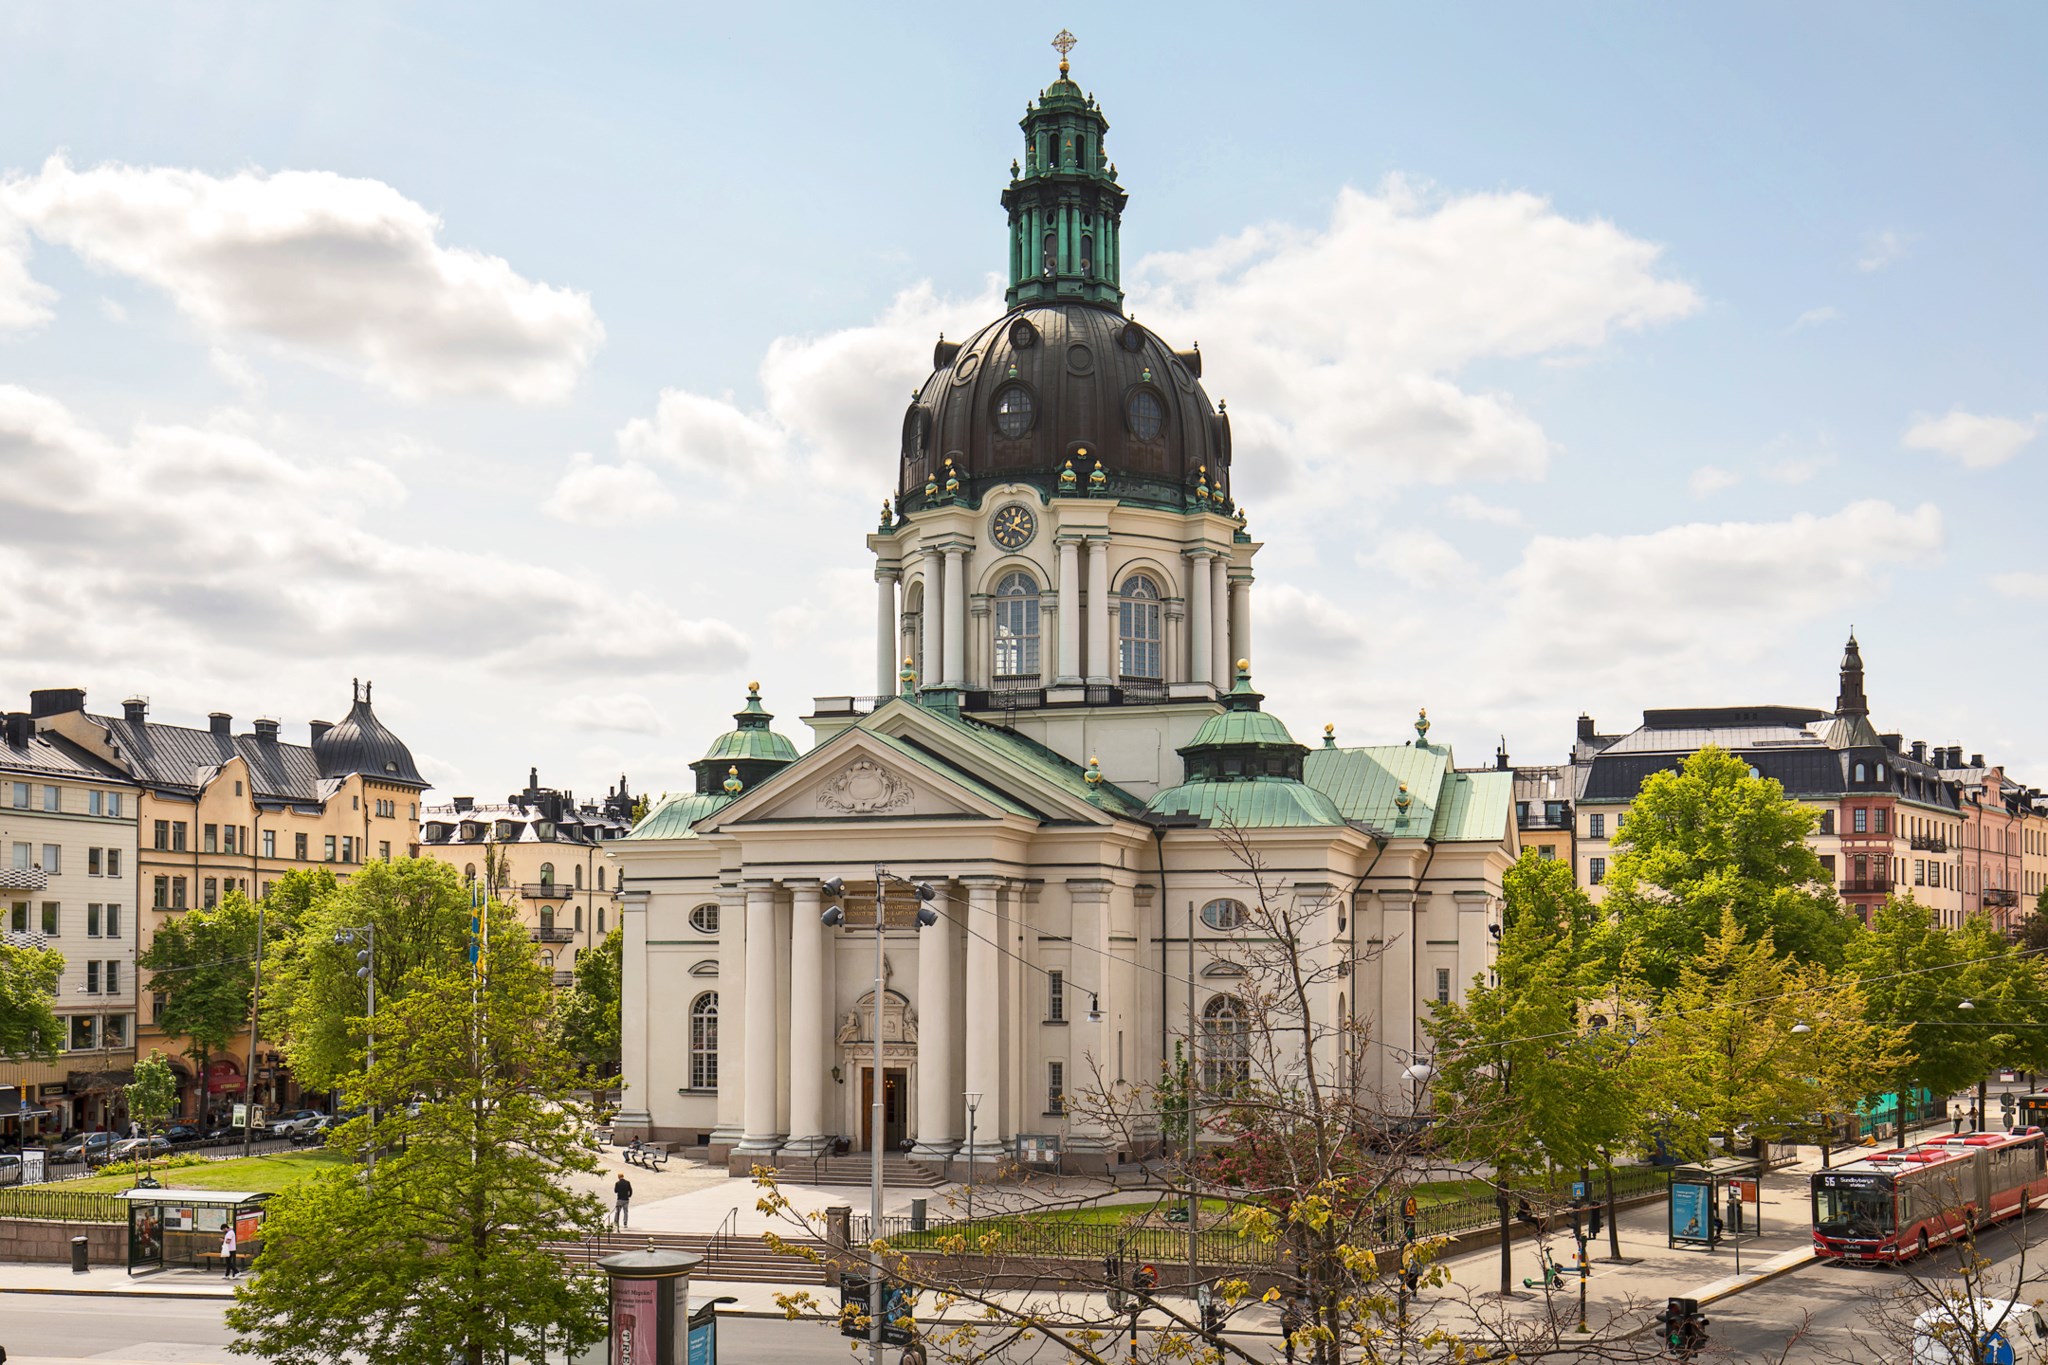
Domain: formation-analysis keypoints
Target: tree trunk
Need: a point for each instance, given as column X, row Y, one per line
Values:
column 1983, row 1098
column 1507, row 1229
column 1613, row 1223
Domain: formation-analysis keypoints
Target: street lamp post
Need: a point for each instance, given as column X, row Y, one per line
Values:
column 834, row 916
column 366, row 970
column 973, row 1103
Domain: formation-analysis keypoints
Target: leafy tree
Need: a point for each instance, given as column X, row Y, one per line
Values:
column 203, row 963
column 1710, row 840
column 420, row 913
column 2033, row 930
column 1915, row 980
column 2008, row 985
column 588, row 1013
column 441, row 1255
column 153, row 1094
column 1746, row 1038
column 29, row 977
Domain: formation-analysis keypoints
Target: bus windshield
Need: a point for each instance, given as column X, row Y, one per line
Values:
column 1861, row 1211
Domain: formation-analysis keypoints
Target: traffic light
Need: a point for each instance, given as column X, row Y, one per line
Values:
column 1113, row 1276
column 1145, row 1279
column 1212, row 1315
column 1594, row 1223
column 1683, row 1326
column 1409, row 1208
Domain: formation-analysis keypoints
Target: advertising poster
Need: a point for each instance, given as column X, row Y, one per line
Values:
column 34, row 1170
column 145, row 1236
column 636, row 1312
column 704, row 1343
column 1692, row 1217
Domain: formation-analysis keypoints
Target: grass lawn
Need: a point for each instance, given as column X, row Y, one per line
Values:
column 270, row 1173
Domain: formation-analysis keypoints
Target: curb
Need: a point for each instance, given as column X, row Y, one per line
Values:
column 118, row 1293
column 1761, row 1277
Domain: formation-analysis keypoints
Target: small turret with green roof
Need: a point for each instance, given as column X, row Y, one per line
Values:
column 751, row 748
column 1244, row 769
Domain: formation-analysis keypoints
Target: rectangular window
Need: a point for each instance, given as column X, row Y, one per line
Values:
column 95, row 803
column 52, row 915
column 177, row 836
column 1882, row 813
column 329, row 848
column 1919, row 872
column 114, row 804
column 348, row 848
column 267, row 887
column 18, row 922
column 1596, row 827
column 1443, row 985
column 113, row 921
column 1860, row 818
column 114, row 1029
column 212, row 892
column 177, row 893
column 163, row 834
column 53, row 859
column 92, row 862
column 1827, row 865
column 1522, row 813
column 1596, row 870
column 162, row 895
column 113, row 862
column 384, row 850
column 82, row 1032
column 92, row 978
column 270, row 843
column 299, row 847
column 209, row 839
column 24, row 856
column 1553, row 813
column 21, row 795
column 1055, row 1087
column 113, row 977
column 1827, row 822
column 92, row 919
column 1056, row 997
column 1546, row 850
column 53, row 799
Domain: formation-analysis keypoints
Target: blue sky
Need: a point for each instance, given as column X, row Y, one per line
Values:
column 546, row 367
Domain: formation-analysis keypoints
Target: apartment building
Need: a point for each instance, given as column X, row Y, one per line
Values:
column 68, row 881
column 542, row 852
column 220, row 811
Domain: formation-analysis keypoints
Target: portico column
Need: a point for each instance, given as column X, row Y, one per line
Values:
column 1241, row 619
column 939, row 1096
column 1070, row 615
column 933, row 664
column 885, row 634
column 810, row 1006
column 956, row 618
column 1219, row 628
column 634, row 1053
column 1099, row 608
column 763, row 1041
column 985, row 1041
column 1201, row 654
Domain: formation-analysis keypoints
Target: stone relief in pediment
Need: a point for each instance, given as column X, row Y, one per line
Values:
column 864, row 787
column 899, row 1020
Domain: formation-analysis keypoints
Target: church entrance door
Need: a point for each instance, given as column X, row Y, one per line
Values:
column 895, row 1106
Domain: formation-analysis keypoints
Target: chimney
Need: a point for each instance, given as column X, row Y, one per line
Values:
column 135, row 710
column 1500, row 755
column 319, row 728
column 464, row 804
column 1919, row 751
column 266, row 731
column 55, row 701
column 1585, row 727
column 218, row 722
column 18, row 726
column 1976, row 760
column 1892, row 742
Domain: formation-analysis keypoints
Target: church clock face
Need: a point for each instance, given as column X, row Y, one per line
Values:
column 1013, row 526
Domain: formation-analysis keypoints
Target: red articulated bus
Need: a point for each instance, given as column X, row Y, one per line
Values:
column 1890, row 1206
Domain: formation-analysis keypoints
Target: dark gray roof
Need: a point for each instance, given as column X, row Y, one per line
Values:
column 361, row 744
column 52, row 754
column 180, row 756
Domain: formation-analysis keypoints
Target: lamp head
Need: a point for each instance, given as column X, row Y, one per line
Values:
column 925, row 891
column 833, row 887
column 1802, row 1028
column 1094, row 1009
column 833, row 916
column 926, row 917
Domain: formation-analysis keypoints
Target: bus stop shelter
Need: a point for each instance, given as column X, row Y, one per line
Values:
column 181, row 1229
column 1702, row 1190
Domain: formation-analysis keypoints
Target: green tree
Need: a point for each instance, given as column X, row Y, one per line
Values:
column 442, row 1254
column 1748, row 1039
column 153, row 1094
column 2033, row 930
column 29, row 1027
column 1710, row 840
column 420, row 913
column 588, row 1012
column 1915, row 980
column 203, row 963
column 2008, row 985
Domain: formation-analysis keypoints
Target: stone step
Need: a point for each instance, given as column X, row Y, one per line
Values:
column 854, row 1169
column 744, row 1259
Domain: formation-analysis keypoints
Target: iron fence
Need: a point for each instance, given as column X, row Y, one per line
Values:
column 62, row 1206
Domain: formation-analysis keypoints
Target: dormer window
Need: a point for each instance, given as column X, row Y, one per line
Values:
column 1013, row 411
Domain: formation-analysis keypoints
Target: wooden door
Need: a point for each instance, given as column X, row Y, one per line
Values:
column 895, row 1107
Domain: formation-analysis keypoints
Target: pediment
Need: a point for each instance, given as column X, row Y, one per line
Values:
column 860, row 777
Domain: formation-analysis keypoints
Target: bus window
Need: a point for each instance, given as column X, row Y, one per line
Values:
column 1839, row 1212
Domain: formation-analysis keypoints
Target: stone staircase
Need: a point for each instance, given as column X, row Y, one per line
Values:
column 728, row 1257
column 898, row 1172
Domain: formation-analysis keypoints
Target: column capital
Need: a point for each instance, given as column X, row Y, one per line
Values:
column 888, row 573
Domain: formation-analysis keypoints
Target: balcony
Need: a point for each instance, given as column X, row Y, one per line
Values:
column 565, row 977
column 544, row 891
column 1867, row 886
column 1929, row 843
column 549, row 933
column 2001, row 896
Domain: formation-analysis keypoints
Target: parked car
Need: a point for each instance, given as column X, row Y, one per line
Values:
column 290, row 1125
column 134, row 1149
column 86, row 1147
column 10, row 1169
column 315, row 1133
column 184, row 1135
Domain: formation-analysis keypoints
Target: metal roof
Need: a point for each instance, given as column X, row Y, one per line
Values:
column 1474, row 807
column 673, row 817
column 46, row 752
column 1251, row 803
column 1366, row 784
column 168, row 1195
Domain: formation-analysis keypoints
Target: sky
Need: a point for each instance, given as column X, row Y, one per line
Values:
column 546, row 365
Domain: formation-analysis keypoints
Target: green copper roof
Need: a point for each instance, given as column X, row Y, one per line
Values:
column 1241, row 722
column 1366, row 784
column 1261, row 803
column 674, row 816
column 753, row 738
column 1034, row 757
column 1474, row 807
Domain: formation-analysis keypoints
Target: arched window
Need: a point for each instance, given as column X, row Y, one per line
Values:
column 1017, row 626
column 469, row 872
column 1087, row 254
column 1013, row 411
column 1147, row 415
column 1223, row 914
column 704, row 919
column 1138, row 635
column 704, row 1042
column 579, row 876
column 1052, row 253
column 547, row 874
column 600, row 879
column 1226, row 1045
column 1860, row 771
column 547, row 919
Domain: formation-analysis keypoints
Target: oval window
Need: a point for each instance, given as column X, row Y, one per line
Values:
column 1147, row 414
column 704, row 919
column 1223, row 914
column 1013, row 411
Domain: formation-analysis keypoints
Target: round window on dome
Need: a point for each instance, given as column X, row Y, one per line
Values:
column 1147, row 415
column 1013, row 411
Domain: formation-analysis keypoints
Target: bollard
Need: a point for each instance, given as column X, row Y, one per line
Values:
column 78, row 1250
column 917, row 1215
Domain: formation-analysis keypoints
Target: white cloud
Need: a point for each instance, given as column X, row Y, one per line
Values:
column 1814, row 317
column 1709, row 479
column 236, row 369
column 1418, row 558
column 1880, row 249
column 707, row 436
column 1974, row 441
column 345, row 272
column 593, row 494
column 2031, row 586
column 112, row 310
column 1474, row 509
column 1798, row 469
column 23, row 302
column 626, row 712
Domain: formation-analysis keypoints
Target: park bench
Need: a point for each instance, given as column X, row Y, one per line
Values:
column 651, row 1156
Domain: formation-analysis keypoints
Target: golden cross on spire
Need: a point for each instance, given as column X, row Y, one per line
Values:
column 1065, row 43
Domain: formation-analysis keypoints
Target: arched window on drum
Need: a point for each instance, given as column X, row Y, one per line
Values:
column 1016, row 613
column 1139, row 652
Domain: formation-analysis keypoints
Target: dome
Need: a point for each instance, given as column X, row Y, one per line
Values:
column 1053, row 383
column 747, row 753
column 361, row 744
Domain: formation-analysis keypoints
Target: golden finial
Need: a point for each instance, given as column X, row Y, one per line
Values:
column 754, row 688
column 1065, row 43
column 1093, row 777
column 733, row 785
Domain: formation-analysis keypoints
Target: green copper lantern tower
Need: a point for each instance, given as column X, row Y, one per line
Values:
column 1064, row 203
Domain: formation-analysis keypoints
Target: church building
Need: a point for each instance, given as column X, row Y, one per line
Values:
column 1063, row 732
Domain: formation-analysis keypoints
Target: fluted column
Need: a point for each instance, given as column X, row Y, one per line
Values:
column 885, row 634
column 763, row 1040
column 985, row 1042
column 1219, row 620
column 939, row 1095
column 1069, row 673
column 956, row 618
column 933, row 616
column 1099, row 608
column 1241, row 619
column 1201, row 652
column 810, row 1008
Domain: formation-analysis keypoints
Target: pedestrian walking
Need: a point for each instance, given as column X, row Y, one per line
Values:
column 1955, row 1113
column 227, row 1252
column 622, row 1192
